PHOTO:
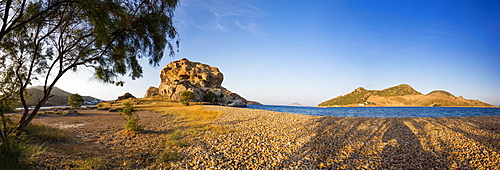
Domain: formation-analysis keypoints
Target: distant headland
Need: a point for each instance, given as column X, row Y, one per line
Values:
column 401, row 95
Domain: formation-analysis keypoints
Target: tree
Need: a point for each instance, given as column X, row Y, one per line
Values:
column 209, row 97
column 8, row 97
column 187, row 96
column 75, row 100
column 132, row 119
column 44, row 39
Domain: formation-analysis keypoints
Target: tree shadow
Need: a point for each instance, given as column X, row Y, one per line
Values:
column 402, row 146
column 341, row 141
column 470, row 127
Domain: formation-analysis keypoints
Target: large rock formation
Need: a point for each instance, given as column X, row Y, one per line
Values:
column 201, row 79
column 152, row 91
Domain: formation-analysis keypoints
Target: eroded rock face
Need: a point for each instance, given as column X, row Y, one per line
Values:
column 184, row 75
column 151, row 91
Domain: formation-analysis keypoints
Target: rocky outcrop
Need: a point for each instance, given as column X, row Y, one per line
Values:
column 201, row 79
column 152, row 91
column 126, row 96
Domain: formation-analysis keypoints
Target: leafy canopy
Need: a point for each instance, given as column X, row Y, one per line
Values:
column 75, row 100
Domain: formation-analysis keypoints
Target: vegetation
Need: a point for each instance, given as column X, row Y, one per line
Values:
column 441, row 92
column 75, row 100
column 42, row 40
column 209, row 97
column 399, row 90
column 186, row 97
column 351, row 98
column 128, row 111
column 93, row 163
column 18, row 151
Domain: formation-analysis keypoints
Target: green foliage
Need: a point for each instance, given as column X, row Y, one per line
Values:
column 18, row 151
column 351, row 98
column 43, row 40
column 209, row 97
column 400, row 90
column 45, row 133
column 169, row 155
column 128, row 111
column 93, row 163
column 177, row 139
column 12, row 153
column 128, row 108
column 441, row 92
column 75, row 100
column 187, row 96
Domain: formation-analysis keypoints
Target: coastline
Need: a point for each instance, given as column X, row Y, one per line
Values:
column 249, row 138
column 267, row 140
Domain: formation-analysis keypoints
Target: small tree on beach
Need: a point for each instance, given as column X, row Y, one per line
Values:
column 75, row 100
column 128, row 112
column 186, row 97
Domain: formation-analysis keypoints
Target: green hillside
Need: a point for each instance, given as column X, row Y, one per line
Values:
column 401, row 90
column 360, row 95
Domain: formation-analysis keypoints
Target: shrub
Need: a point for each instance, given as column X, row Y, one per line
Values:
column 169, row 155
column 187, row 96
column 75, row 100
column 93, row 163
column 209, row 97
column 128, row 111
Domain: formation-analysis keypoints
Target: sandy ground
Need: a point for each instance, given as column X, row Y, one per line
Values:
column 256, row 139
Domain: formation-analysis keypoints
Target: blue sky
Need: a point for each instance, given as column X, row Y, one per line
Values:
column 279, row 52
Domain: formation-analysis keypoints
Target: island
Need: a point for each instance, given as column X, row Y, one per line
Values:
column 401, row 95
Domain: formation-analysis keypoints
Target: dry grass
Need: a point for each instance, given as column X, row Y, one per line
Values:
column 189, row 122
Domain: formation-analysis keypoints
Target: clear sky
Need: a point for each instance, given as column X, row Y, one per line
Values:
column 284, row 51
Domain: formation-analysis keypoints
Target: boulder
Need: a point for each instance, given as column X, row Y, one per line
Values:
column 126, row 96
column 184, row 75
column 152, row 91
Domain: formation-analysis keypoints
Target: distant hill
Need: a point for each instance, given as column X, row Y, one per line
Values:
column 60, row 97
column 250, row 102
column 401, row 95
column 295, row 104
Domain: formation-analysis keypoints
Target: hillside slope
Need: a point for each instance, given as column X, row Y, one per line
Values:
column 60, row 97
column 401, row 95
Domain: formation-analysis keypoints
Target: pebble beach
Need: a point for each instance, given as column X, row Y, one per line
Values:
column 258, row 139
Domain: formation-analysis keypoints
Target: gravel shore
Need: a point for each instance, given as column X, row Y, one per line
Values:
column 259, row 139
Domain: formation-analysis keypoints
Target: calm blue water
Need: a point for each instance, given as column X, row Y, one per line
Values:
column 383, row 111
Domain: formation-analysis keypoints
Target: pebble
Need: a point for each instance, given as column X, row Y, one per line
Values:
column 259, row 139
column 256, row 139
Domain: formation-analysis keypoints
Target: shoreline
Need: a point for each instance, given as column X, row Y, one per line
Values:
column 248, row 138
column 267, row 140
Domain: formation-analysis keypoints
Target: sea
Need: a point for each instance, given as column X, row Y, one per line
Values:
column 384, row 112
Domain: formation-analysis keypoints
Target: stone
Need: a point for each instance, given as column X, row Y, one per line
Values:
column 184, row 75
column 152, row 91
column 126, row 96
